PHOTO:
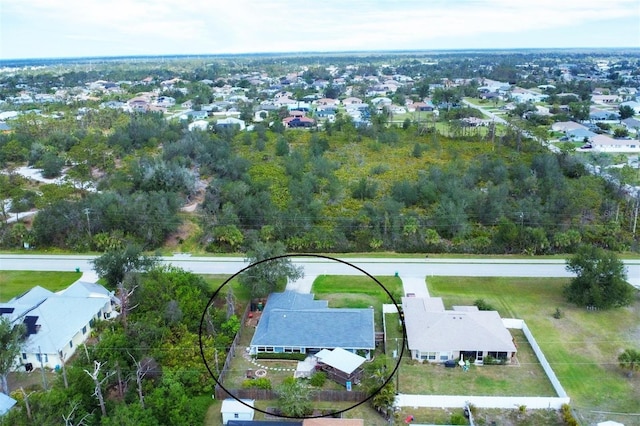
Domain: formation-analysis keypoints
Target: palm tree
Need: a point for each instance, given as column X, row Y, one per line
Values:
column 630, row 360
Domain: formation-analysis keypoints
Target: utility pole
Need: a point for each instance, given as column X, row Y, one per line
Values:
column 398, row 370
column 635, row 217
column 44, row 377
column 87, row 211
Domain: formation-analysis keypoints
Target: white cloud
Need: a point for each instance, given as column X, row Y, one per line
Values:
column 205, row 26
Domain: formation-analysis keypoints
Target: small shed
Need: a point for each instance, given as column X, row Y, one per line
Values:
column 233, row 409
column 340, row 365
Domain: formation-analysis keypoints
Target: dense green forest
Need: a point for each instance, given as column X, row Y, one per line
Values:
column 419, row 187
column 151, row 363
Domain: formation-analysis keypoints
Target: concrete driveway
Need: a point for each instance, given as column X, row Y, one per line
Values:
column 415, row 285
column 303, row 285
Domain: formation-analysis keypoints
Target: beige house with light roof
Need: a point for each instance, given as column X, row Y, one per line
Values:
column 438, row 335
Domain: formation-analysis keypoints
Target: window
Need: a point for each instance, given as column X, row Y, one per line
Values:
column 70, row 343
column 84, row 330
column 235, row 415
column 24, row 355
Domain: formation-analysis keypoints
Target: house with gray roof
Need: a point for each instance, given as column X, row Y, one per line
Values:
column 578, row 135
column 297, row 323
column 438, row 335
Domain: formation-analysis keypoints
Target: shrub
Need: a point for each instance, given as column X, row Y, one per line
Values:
column 558, row 314
column 260, row 383
column 457, row 419
column 483, row 305
column 318, row 379
column 285, row 356
column 567, row 416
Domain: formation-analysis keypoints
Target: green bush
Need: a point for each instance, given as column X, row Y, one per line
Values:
column 457, row 419
column 483, row 305
column 318, row 379
column 567, row 416
column 285, row 356
column 489, row 360
column 260, row 383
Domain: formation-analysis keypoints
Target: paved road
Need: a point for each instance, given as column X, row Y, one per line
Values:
column 314, row 266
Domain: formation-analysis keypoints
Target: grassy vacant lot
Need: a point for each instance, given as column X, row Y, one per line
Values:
column 582, row 346
column 337, row 288
column 14, row 283
column 357, row 292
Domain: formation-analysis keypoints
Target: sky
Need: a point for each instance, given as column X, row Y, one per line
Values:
column 91, row 28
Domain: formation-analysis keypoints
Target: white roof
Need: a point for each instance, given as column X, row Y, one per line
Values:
column 26, row 302
column 439, row 330
column 230, row 405
column 610, row 423
column 6, row 402
column 340, row 359
column 59, row 316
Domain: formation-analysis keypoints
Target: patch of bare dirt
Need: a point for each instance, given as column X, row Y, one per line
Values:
column 182, row 234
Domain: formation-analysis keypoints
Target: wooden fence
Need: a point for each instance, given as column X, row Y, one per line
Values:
column 266, row 394
column 232, row 348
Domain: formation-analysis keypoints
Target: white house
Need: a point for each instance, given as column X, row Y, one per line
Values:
column 56, row 323
column 606, row 143
column 198, row 124
column 231, row 122
column 233, row 409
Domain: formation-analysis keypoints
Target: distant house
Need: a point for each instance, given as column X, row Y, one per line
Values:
column 327, row 102
column 437, row 335
column 300, row 121
column 351, row 101
column 295, row 322
column 138, row 104
column 194, row 115
column 165, row 101
column 601, row 115
column 632, row 124
column 198, row 124
column 57, row 323
column 233, row 409
column 578, row 135
column 231, row 122
column 605, row 99
column 564, row 126
column 524, row 96
column 606, row 143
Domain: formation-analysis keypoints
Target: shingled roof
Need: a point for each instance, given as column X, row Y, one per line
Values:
column 297, row 320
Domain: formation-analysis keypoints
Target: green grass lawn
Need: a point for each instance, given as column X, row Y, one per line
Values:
column 331, row 284
column 582, row 346
column 524, row 378
column 15, row 283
